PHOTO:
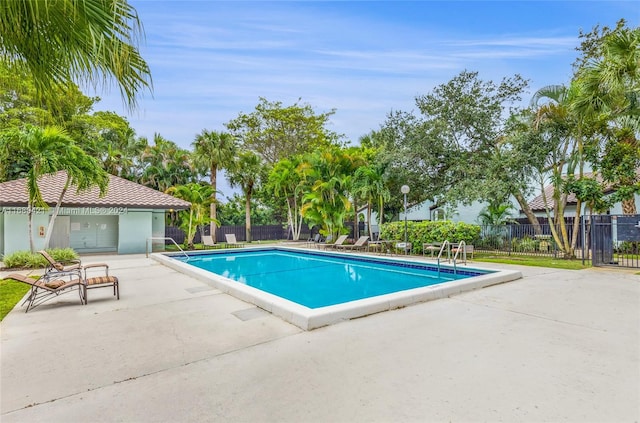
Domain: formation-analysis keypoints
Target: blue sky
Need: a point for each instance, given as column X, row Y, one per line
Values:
column 211, row 60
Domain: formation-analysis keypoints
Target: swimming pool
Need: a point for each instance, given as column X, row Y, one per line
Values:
column 319, row 280
column 315, row 288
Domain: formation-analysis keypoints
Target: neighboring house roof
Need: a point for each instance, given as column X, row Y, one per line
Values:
column 537, row 204
column 120, row 193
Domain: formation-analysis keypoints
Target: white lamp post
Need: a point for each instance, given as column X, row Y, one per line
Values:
column 405, row 190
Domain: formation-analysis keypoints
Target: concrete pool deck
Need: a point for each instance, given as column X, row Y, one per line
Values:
column 556, row 345
column 307, row 318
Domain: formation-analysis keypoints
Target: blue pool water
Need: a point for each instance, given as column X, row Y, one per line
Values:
column 318, row 280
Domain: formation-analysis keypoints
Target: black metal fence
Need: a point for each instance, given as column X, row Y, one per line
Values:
column 258, row 233
column 608, row 240
column 525, row 239
column 605, row 240
column 615, row 240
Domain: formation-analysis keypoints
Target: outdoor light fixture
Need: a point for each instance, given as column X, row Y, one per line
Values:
column 405, row 190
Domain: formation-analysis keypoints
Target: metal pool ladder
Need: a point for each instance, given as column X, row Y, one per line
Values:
column 165, row 238
column 462, row 246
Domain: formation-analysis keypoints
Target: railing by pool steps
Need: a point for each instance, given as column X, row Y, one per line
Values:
column 445, row 247
column 165, row 238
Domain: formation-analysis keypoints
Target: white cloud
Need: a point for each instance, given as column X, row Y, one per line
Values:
column 212, row 60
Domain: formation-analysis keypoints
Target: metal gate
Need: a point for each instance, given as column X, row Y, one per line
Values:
column 615, row 240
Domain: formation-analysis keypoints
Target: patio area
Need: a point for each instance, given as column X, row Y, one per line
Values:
column 556, row 345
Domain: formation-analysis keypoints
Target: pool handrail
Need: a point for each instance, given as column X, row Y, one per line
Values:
column 165, row 238
column 445, row 245
column 462, row 246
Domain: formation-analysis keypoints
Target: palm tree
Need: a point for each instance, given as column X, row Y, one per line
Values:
column 245, row 173
column 286, row 181
column 213, row 151
column 563, row 131
column 609, row 92
column 50, row 150
column 369, row 184
column 496, row 214
column 64, row 41
column 327, row 203
column 199, row 196
column 166, row 165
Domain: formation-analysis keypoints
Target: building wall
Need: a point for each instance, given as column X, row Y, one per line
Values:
column 134, row 229
column 89, row 234
column 1, row 233
column 462, row 213
column 470, row 213
column 417, row 212
column 157, row 229
column 92, row 229
column 16, row 233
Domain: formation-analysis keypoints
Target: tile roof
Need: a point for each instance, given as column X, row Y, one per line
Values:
column 121, row 193
column 537, row 204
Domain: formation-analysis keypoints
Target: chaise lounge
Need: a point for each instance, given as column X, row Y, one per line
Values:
column 360, row 244
column 341, row 240
column 43, row 288
column 207, row 242
column 56, row 269
column 232, row 241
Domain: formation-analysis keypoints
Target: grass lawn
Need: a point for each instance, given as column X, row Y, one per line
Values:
column 555, row 263
column 10, row 293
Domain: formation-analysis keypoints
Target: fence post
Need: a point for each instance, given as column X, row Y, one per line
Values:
column 583, row 231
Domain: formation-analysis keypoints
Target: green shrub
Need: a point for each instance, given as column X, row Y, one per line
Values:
column 63, row 254
column 419, row 233
column 525, row 245
column 27, row 259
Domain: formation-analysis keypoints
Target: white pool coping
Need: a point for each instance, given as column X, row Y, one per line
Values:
column 308, row 319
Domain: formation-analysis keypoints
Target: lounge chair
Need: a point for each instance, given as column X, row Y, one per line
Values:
column 341, row 240
column 361, row 243
column 317, row 239
column 468, row 249
column 232, row 242
column 102, row 281
column 44, row 288
column 57, row 268
column 207, row 242
column 432, row 247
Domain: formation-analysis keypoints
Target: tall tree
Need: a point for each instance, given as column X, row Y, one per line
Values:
column 49, row 150
column 369, row 184
column 561, row 159
column 199, row 196
column 607, row 82
column 446, row 152
column 104, row 135
column 326, row 203
column 285, row 182
column 64, row 41
column 213, row 151
column 276, row 132
column 166, row 165
column 246, row 174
